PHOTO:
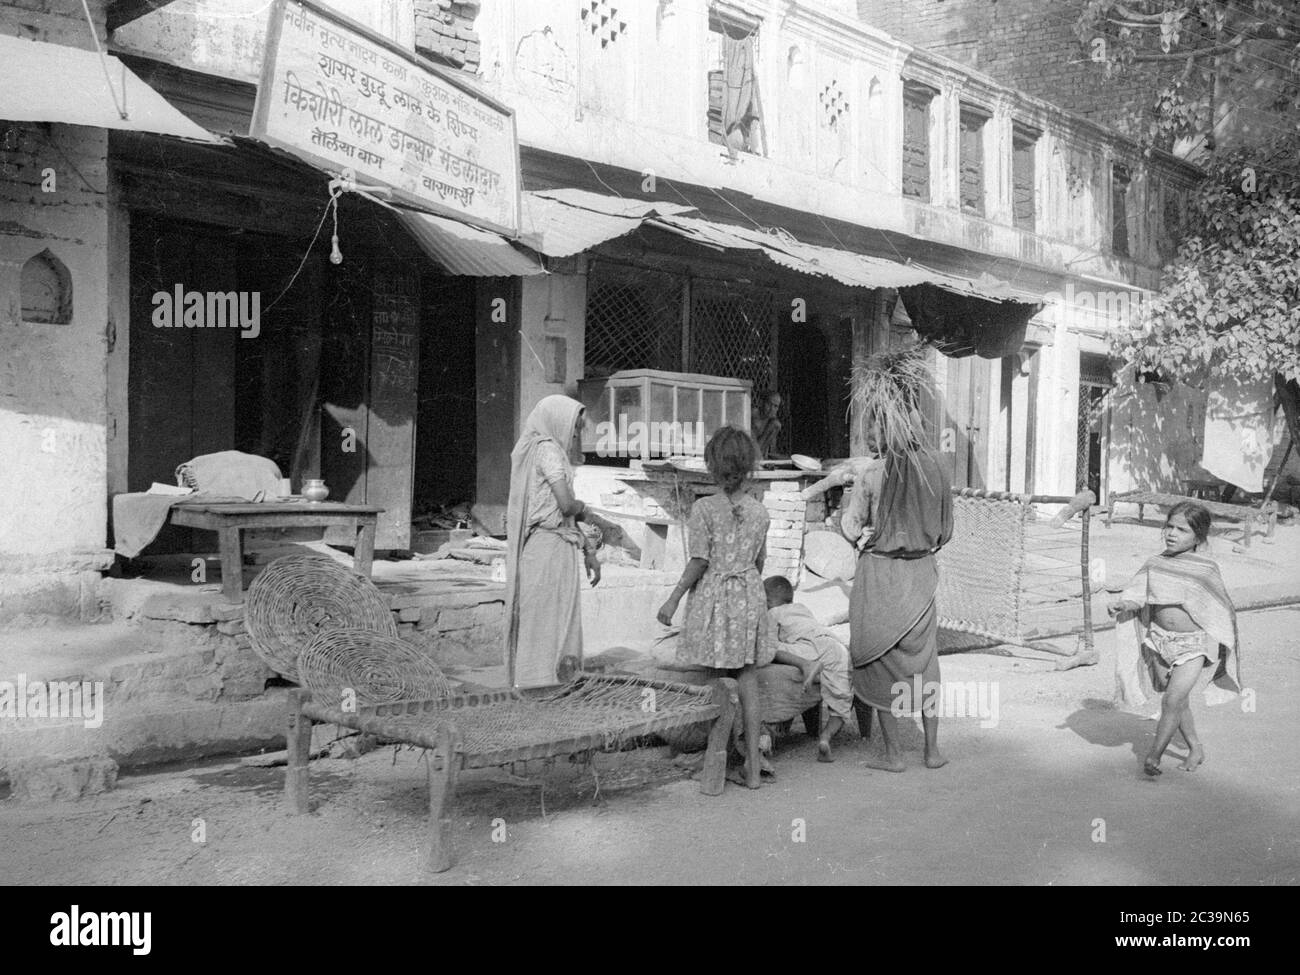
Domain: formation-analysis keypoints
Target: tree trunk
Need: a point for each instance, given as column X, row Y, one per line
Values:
column 1288, row 391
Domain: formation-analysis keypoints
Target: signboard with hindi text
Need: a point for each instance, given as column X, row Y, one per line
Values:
column 342, row 97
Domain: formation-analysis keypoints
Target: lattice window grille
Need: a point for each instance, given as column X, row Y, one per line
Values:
column 601, row 18
column 835, row 105
column 731, row 334
column 1094, row 400
column 634, row 320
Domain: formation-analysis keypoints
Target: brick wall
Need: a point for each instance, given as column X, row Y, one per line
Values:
column 1025, row 44
column 444, row 32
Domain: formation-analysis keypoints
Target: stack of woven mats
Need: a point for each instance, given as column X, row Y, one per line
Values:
column 325, row 627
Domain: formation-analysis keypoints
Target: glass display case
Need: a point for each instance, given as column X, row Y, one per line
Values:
column 648, row 413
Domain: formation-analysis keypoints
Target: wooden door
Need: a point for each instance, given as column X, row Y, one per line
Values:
column 960, row 418
column 394, row 369
column 181, row 381
column 369, row 368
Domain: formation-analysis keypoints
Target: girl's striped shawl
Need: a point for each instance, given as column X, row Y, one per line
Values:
column 1193, row 582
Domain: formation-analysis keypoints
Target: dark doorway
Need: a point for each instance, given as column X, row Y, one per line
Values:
column 1095, row 382
column 816, row 364
column 200, row 390
column 445, row 460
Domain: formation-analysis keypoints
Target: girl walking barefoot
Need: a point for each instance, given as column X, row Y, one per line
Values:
column 726, row 627
column 1189, row 630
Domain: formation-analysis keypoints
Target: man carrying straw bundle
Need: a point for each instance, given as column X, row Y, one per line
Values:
column 899, row 515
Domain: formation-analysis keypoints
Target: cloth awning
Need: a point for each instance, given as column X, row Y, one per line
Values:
column 463, row 249
column 42, row 82
column 960, row 324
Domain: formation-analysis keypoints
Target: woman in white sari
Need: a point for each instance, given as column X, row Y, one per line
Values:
column 545, row 548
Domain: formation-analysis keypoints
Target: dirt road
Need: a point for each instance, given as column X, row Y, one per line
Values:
column 1049, row 795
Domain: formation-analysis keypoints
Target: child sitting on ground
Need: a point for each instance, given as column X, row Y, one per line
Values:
column 1190, row 629
column 804, row 643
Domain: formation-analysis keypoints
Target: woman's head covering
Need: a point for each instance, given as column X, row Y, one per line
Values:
column 553, row 419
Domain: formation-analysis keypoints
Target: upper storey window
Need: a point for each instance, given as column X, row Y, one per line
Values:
column 972, row 158
column 735, row 108
column 1024, row 203
column 917, row 100
column 1119, row 185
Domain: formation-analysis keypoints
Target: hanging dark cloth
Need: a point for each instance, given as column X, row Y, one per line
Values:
column 961, row 325
column 742, row 111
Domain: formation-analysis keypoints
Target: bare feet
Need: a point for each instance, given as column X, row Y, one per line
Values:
column 1152, row 765
column 742, row 777
column 889, row 762
column 1195, row 758
column 824, row 751
column 935, row 759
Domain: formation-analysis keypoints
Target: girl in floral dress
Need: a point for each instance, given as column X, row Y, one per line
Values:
column 726, row 627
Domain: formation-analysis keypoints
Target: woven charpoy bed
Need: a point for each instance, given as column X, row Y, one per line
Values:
column 592, row 713
column 1249, row 517
column 1013, row 576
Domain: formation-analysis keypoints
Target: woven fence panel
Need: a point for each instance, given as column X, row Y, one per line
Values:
column 634, row 320
column 731, row 333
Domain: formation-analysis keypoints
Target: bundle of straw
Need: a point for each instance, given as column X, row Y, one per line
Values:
column 887, row 391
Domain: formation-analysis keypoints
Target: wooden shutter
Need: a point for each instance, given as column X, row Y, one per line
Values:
column 972, row 161
column 916, row 144
column 1023, row 203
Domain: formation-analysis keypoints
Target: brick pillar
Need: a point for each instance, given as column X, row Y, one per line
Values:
column 785, row 533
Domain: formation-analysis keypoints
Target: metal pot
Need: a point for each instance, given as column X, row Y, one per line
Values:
column 314, row 490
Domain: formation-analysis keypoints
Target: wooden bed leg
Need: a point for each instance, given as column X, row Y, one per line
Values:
column 298, row 741
column 726, row 694
column 812, row 720
column 863, row 712
column 442, row 799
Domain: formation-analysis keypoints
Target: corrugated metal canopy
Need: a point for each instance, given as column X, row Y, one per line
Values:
column 846, row 267
column 615, row 206
column 463, row 249
column 42, row 82
column 561, row 223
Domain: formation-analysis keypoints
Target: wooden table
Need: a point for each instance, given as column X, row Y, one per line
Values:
column 229, row 518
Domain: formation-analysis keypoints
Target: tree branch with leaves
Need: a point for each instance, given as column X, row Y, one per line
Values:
column 1229, row 305
column 1241, row 62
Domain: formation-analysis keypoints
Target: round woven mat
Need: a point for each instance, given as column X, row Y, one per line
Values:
column 379, row 669
column 298, row 596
